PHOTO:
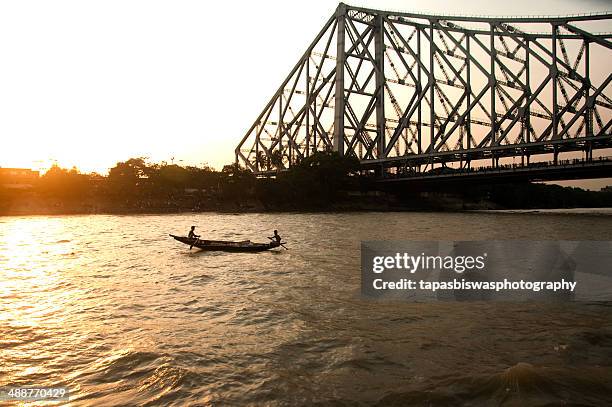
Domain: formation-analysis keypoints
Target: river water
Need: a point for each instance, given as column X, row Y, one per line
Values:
column 121, row 314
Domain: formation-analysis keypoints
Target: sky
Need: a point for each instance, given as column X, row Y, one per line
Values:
column 90, row 83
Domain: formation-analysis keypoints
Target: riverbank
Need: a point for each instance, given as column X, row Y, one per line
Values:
column 322, row 183
column 280, row 195
column 376, row 201
column 25, row 207
column 26, row 204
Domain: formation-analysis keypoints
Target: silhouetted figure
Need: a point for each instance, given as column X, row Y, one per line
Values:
column 192, row 233
column 276, row 237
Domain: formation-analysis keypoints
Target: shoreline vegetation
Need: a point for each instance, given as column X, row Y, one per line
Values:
column 322, row 182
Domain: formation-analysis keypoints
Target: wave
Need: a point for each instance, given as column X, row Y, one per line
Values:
column 518, row 385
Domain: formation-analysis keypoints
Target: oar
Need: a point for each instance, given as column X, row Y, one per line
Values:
column 285, row 247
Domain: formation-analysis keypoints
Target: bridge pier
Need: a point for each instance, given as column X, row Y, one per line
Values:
column 379, row 171
column 588, row 151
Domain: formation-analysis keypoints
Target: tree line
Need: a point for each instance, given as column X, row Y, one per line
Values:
column 315, row 181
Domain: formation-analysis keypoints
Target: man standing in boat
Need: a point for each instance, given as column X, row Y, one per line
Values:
column 276, row 237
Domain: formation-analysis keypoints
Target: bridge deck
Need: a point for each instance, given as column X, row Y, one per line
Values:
column 541, row 171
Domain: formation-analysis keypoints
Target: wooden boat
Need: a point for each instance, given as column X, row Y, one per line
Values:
column 226, row 245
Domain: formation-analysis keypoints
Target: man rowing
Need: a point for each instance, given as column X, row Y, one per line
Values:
column 192, row 234
column 276, row 237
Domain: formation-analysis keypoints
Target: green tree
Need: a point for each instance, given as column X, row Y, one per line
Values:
column 202, row 178
column 276, row 159
column 126, row 178
column 314, row 181
column 236, row 182
column 62, row 183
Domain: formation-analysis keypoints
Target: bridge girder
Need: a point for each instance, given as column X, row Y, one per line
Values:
column 410, row 89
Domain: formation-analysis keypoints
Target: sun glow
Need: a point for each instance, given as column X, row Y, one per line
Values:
column 30, row 274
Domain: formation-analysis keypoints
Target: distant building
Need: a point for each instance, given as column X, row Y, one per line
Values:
column 18, row 178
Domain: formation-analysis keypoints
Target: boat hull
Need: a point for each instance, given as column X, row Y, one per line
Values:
column 226, row 246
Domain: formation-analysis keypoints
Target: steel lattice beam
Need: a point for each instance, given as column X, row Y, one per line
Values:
column 413, row 90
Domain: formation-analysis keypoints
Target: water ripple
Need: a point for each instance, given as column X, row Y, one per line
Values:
column 124, row 315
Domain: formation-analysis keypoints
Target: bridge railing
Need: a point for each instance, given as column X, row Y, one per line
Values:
column 450, row 172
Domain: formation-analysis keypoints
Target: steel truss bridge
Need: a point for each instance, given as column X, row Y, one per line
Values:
column 407, row 93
